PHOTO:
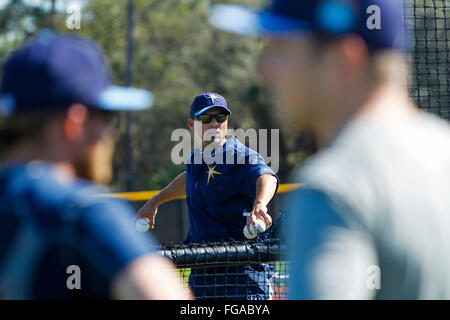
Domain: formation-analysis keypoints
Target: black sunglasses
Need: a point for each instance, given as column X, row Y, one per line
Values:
column 207, row 118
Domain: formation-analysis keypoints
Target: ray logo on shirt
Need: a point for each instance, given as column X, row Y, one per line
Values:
column 211, row 172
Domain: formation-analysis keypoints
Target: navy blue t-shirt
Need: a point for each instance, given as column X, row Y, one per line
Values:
column 219, row 193
column 49, row 223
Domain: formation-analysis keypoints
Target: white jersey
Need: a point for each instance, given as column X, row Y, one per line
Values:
column 390, row 181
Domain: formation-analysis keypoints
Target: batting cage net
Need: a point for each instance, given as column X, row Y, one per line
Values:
column 251, row 270
column 428, row 23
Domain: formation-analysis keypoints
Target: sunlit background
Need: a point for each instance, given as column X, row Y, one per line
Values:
column 169, row 48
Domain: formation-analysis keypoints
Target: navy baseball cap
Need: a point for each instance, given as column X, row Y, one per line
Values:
column 378, row 22
column 53, row 71
column 208, row 100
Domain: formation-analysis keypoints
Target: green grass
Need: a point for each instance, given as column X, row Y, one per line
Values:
column 185, row 272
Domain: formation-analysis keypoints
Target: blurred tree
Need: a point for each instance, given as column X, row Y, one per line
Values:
column 19, row 21
column 177, row 54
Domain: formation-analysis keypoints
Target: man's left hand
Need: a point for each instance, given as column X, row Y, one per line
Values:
column 259, row 211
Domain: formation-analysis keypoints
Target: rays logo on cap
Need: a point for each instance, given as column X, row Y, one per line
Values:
column 212, row 96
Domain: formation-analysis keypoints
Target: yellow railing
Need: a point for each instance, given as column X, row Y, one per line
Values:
column 145, row 195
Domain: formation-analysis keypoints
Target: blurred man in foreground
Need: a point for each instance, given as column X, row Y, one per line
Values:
column 59, row 240
column 373, row 218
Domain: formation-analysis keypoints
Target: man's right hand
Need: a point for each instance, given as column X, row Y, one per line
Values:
column 176, row 189
column 148, row 211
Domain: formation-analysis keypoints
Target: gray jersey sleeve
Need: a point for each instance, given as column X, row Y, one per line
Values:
column 328, row 259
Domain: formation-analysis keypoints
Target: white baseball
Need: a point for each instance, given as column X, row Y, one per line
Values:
column 261, row 227
column 247, row 234
column 252, row 233
column 142, row 225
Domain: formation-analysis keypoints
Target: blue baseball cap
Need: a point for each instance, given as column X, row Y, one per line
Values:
column 53, row 71
column 208, row 100
column 378, row 22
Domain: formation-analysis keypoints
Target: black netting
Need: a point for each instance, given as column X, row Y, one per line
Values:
column 232, row 270
column 429, row 24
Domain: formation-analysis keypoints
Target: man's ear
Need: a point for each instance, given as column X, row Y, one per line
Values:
column 74, row 122
column 354, row 50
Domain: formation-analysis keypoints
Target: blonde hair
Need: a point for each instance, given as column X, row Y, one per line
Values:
column 384, row 66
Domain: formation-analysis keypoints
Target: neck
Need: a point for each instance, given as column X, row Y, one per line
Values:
column 384, row 104
column 28, row 151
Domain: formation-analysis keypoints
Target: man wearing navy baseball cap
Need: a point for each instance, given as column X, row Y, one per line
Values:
column 207, row 101
column 60, row 240
column 372, row 220
column 223, row 196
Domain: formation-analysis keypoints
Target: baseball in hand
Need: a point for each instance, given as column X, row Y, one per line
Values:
column 142, row 225
column 251, row 233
